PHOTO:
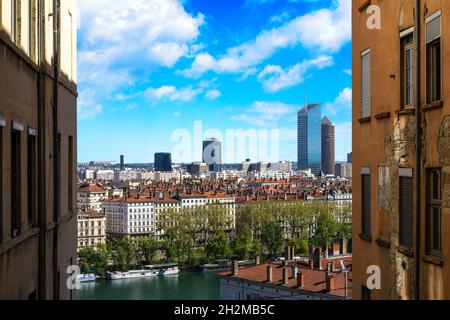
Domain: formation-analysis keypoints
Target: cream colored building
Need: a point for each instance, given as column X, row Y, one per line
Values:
column 91, row 229
column 90, row 197
column 38, row 138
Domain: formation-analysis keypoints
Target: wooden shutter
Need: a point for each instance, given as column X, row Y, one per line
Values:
column 434, row 29
column 365, row 84
column 406, row 210
column 365, row 204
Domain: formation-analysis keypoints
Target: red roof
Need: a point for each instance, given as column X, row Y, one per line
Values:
column 92, row 188
column 314, row 279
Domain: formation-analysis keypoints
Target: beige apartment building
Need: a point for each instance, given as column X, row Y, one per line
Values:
column 38, row 134
column 91, row 229
column 401, row 148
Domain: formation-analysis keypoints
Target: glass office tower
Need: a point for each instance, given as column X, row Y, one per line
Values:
column 309, row 147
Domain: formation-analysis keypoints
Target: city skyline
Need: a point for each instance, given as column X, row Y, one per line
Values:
column 240, row 82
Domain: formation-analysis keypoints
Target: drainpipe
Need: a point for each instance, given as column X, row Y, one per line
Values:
column 42, row 180
column 418, row 147
column 56, row 150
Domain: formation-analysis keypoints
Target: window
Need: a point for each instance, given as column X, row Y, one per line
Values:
column 31, row 177
column 365, row 84
column 433, row 212
column 16, row 187
column 406, row 72
column 365, row 201
column 406, row 209
column 433, row 59
column 70, row 174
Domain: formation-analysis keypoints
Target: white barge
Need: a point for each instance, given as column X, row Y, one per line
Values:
column 147, row 272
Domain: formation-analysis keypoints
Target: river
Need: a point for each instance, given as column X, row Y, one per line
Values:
column 185, row 286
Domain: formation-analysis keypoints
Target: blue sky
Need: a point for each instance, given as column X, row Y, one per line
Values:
column 149, row 69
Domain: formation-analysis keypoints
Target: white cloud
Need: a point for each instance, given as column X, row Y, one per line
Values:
column 87, row 107
column 122, row 28
column 348, row 71
column 265, row 114
column 171, row 93
column 274, row 78
column 342, row 102
column 324, row 30
column 167, row 54
column 213, row 94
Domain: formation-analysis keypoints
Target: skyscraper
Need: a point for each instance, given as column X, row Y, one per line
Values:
column 309, row 147
column 122, row 162
column 328, row 146
column 349, row 157
column 163, row 162
column 212, row 154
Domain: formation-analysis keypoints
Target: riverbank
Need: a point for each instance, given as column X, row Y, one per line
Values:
column 184, row 286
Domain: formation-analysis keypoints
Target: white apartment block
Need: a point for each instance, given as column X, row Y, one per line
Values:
column 90, row 197
column 91, row 229
column 131, row 217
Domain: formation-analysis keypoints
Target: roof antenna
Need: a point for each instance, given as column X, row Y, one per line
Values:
column 306, row 96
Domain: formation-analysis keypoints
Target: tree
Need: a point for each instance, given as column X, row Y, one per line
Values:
column 325, row 230
column 218, row 247
column 272, row 238
column 148, row 246
column 242, row 244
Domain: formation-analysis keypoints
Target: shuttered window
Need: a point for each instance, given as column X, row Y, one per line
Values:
column 433, row 212
column 365, row 204
column 407, row 58
column 16, row 188
column 406, row 210
column 365, row 84
column 434, row 61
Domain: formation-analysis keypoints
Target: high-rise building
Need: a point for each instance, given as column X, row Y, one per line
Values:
column 328, row 147
column 122, row 162
column 309, row 146
column 38, row 139
column 212, row 154
column 401, row 140
column 349, row 158
column 163, row 162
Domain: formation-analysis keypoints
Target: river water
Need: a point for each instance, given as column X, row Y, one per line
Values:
column 184, row 286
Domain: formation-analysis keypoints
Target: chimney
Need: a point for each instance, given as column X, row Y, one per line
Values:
column 330, row 266
column 285, row 275
column 258, row 260
column 292, row 252
column 311, row 263
column 294, row 270
column 300, row 279
column 269, row 273
column 330, row 281
column 318, row 258
column 235, row 267
column 344, row 246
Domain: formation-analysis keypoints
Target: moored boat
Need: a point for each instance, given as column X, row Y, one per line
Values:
column 133, row 274
column 87, row 277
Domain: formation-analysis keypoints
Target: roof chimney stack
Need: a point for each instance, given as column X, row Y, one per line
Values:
column 235, row 267
column 269, row 273
column 285, row 275
column 330, row 281
column 300, row 279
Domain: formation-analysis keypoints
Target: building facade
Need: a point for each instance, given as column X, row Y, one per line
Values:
column 328, row 147
column 38, row 138
column 163, row 162
column 343, row 170
column 309, row 147
column 91, row 229
column 212, row 154
column 90, row 197
column 401, row 139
